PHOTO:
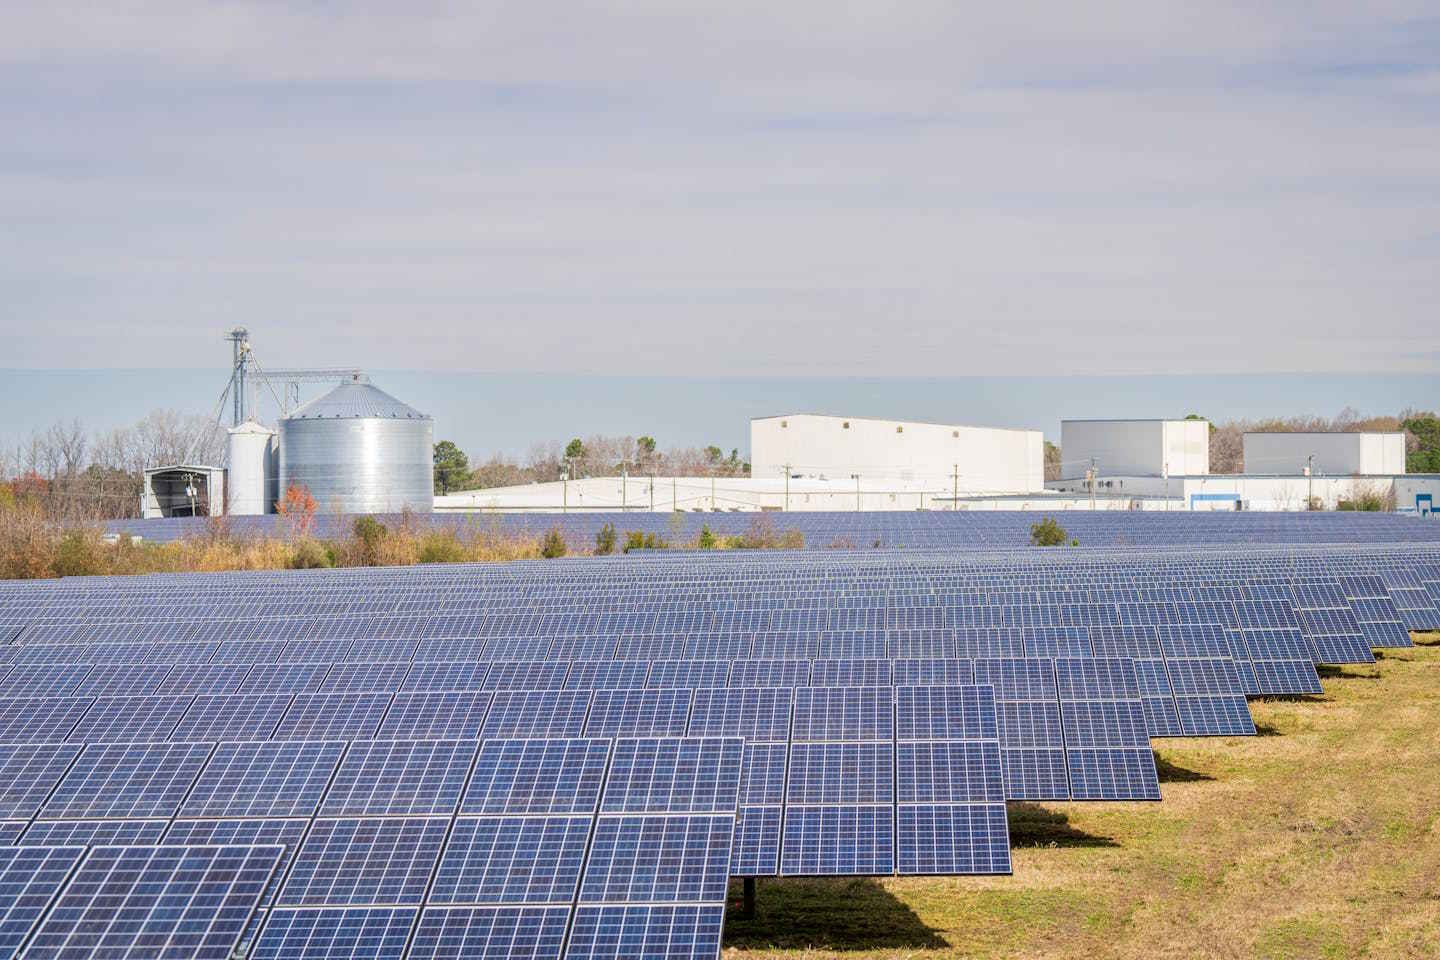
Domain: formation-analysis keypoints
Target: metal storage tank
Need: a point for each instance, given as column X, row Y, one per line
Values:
column 252, row 477
column 359, row 450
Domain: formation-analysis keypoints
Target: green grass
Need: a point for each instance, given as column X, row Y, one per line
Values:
column 1319, row 838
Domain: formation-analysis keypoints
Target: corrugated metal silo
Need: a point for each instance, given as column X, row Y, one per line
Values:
column 251, row 483
column 359, row 450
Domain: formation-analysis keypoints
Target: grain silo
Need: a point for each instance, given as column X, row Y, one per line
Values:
column 251, row 483
column 359, row 450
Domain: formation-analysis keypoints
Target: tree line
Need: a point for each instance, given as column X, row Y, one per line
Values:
column 70, row 473
column 578, row 457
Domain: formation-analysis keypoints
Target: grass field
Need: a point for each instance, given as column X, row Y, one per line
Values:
column 1318, row 838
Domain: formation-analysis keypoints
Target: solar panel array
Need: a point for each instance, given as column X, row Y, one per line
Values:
column 571, row 759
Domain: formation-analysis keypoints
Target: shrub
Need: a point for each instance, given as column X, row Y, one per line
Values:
column 311, row 555
column 441, row 547
column 1048, row 533
column 79, row 554
column 791, row 540
column 553, row 545
column 635, row 540
column 369, row 534
column 707, row 539
column 605, row 540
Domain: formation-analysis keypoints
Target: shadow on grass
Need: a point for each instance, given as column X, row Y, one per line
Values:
column 1331, row 672
column 1387, row 654
column 840, row 914
column 1266, row 730
column 1174, row 773
column 1032, row 825
column 1429, row 638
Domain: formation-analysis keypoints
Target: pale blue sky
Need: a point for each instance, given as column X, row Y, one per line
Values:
column 759, row 189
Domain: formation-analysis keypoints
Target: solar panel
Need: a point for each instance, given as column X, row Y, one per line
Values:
column 399, row 777
column 89, row 833
column 536, row 713
column 30, row 877
column 677, row 932
column 277, row 778
column 510, row 860
column 537, row 777
column 286, row 833
column 659, row 859
column 335, row 933
column 238, row 716
column 127, row 781
column 436, row 715
column 333, row 716
column 28, row 772
column 40, row 719
column 673, row 775
column 186, row 903
column 365, row 861
column 490, row 933
column 130, row 718
column 638, row 712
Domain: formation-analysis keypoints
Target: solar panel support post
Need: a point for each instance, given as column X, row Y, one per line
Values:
column 747, row 906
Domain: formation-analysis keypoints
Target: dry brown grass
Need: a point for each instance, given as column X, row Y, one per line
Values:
column 1319, row 838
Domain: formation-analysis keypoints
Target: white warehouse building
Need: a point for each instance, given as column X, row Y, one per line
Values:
column 1335, row 454
column 970, row 459
column 1135, row 448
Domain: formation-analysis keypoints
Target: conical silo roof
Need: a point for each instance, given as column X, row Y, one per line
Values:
column 357, row 401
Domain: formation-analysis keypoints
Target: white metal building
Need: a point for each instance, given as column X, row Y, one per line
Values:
column 253, row 470
column 1336, row 454
column 183, row 490
column 1141, row 448
column 967, row 459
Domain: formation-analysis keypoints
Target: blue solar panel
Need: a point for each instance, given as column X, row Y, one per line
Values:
column 491, row 933
column 40, row 719
column 673, row 775
column 30, row 877
column 239, row 716
column 769, row 673
column 284, row 678
column 185, row 903
column 446, row 675
column 850, row 673
column 330, row 716
column 753, row 713
column 688, row 673
column 598, row 674
column 117, row 719
column 399, row 777
column 43, row 679
column 953, row 838
column 844, row 713
column 756, row 848
column 436, row 714
column 28, row 772
column 537, row 713
column 849, row 840
column 949, row 772
column 944, row 713
column 127, row 781
column 381, row 677
column 193, row 678
column 117, row 679
column 829, row 773
column 88, row 833
column 286, row 833
column 364, row 861
column 675, row 932
column 510, row 860
column 526, row 675
column 1112, row 773
column 659, row 859
column 537, row 776
column 277, row 778
column 645, row 712
column 379, row 933
column 762, row 773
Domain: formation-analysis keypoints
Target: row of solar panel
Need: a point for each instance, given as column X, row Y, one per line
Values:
column 657, row 837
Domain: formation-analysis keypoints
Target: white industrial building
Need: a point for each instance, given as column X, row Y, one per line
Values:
column 1326, row 454
column 967, row 459
column 1140, row 448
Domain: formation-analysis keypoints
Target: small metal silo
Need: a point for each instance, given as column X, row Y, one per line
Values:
column 359, row 450
column 251, row 484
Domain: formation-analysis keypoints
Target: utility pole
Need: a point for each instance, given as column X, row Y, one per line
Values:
column 1090, row 476
column 712, row 493
column 787, row 488
column 857, row 493
column 674, row 497
column 955, row 494
column 1310, row 482
column 565, row 488
column 624, row 482
column 652, row 493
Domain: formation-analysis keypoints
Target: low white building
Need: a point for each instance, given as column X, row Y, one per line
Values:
column 967, row 459
column 1414, row 493
column 1142, row 448
column 1335, row 454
